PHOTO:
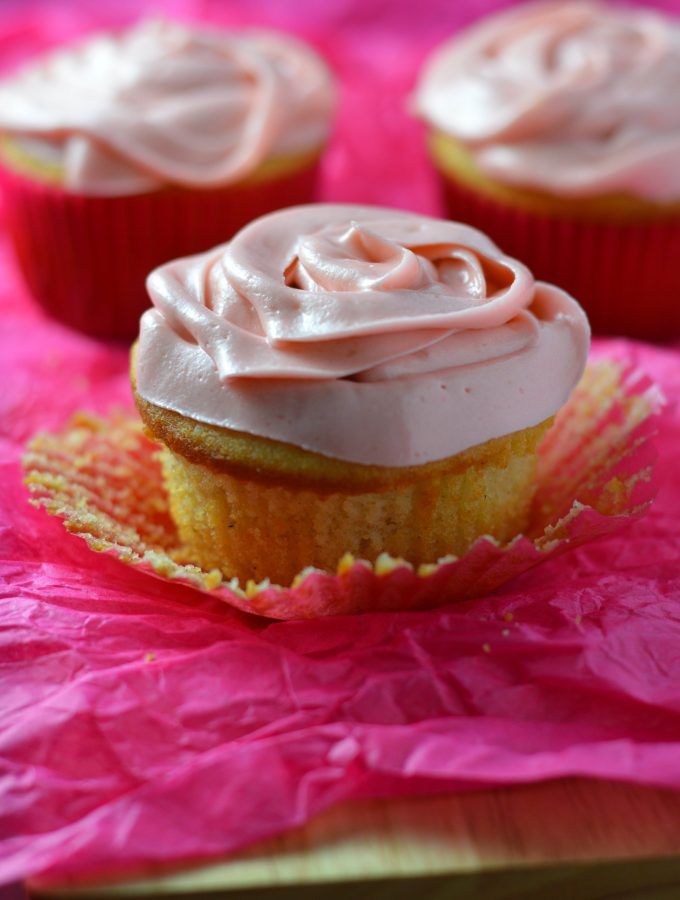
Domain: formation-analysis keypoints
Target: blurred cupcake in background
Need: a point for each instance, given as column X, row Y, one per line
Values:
column 555, row 127
column 130, row 149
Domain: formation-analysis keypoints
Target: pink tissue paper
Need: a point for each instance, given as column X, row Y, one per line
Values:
column 144, row 722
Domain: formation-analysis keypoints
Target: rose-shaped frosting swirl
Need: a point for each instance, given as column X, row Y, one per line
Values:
column 364, row 334
column 576, row 98
column 165, row 104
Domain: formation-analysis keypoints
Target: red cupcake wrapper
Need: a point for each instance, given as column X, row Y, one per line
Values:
column 626, row 276
column 85, row 259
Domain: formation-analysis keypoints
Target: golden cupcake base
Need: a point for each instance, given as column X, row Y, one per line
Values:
column 253, row 530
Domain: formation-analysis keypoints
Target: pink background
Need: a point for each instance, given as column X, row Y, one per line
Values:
column 140, row 721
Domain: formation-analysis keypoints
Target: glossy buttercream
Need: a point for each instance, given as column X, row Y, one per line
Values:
column 363, row 334
column 166, row 104
column 574, row 98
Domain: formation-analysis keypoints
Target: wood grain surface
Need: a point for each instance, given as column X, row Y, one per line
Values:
column 561, row 839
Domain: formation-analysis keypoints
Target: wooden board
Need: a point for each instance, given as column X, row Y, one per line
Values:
column 562, row 839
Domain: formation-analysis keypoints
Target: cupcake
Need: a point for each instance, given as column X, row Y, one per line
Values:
column 347, row 379
column 556, row 128
column 128, row 150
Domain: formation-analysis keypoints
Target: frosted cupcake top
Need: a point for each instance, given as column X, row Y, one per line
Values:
column 363, row 334
column 575, row 98
column 165, row 104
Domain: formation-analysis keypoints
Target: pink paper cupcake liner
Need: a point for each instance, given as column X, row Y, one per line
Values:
column 85, row 259
column 626, row 276
column 103, row 478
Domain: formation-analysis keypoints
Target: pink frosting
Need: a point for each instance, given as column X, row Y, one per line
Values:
column 164, row 104
column 576, row 98
column 364, row 334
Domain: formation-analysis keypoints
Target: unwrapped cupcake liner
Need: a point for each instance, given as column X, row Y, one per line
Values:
column 625, row 275
column 103, row 478
column 85, row 259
